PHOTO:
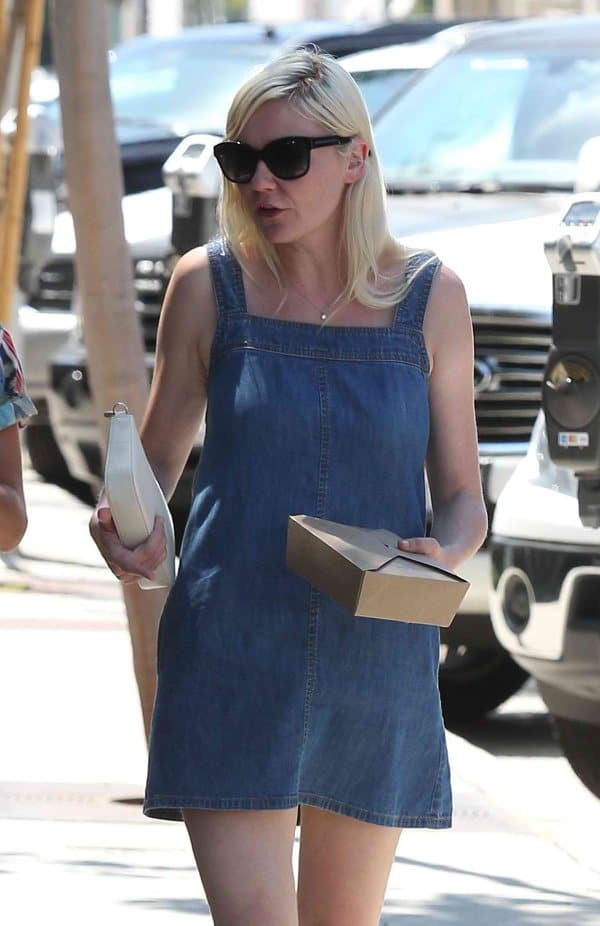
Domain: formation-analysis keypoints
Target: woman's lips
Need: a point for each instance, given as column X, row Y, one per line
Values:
column 268, row 212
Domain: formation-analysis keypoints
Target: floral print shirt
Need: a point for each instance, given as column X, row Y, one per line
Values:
column 15, row 404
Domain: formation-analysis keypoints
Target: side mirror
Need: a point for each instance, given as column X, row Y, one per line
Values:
column 587, row 174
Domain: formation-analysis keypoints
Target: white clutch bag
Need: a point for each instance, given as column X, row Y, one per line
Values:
column 133, row 493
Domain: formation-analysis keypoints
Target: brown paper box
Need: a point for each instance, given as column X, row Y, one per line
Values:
column 365, row 572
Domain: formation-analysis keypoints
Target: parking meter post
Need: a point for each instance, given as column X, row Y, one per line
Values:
column 571, row 390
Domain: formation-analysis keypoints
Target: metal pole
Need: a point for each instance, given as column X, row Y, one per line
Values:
column 3, row 58
column 12, row 217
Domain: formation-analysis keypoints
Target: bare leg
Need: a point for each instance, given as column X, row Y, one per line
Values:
column 244, row 859
column 344, row 869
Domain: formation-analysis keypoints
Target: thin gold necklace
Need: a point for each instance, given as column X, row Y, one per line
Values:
column 323, row 315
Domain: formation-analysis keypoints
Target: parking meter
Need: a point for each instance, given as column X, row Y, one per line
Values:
column 571, row 390
column 194, row 178
column 41, row 192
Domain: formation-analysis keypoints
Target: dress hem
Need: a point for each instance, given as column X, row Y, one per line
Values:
column 168, row 807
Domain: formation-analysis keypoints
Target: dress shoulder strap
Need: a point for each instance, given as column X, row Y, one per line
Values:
column 227, row 277
column 421, row 268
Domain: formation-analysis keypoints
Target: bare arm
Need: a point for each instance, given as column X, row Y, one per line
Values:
column 459, row 515
column 13, row 517
column 175, row 408
column 177, row 400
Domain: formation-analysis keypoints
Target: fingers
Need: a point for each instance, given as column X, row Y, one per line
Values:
column 427, row 546
column 152, row 552
column 128, row 565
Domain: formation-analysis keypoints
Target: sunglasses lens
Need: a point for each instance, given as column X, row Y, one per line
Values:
column 238, row 162
column 287, row 158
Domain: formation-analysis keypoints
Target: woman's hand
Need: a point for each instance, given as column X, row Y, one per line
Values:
column 127, row 565
column 429, row 546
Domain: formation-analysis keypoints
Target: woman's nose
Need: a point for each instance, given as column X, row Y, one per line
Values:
column 263, row 179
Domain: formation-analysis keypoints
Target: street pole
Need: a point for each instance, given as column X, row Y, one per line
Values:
column 112, row 333
column 30, row 17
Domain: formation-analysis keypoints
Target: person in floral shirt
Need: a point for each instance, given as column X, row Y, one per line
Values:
column 15, row 408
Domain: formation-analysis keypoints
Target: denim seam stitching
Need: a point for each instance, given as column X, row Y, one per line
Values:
column 310, row 354
column 371, row 813
column 179, row 802
column 435, row 797
column 419, row 315
column 311, row 661
column 216, row 268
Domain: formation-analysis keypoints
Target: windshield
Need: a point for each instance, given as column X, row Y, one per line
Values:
column 377, row 87
column 183, row 85
column 180, row 86
column 500, row 119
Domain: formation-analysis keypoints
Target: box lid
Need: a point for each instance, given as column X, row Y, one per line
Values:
column 367, row 548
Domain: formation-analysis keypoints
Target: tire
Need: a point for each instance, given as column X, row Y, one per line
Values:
column 580, row 743
column 44, row 454
column 475, row 681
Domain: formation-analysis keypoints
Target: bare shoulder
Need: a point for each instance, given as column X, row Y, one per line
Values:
column 189, row 312
column 447, row 326
column 447, row 308
column 191, row 279
column 448, row 289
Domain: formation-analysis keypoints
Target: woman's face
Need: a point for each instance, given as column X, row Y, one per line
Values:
column 289, row 210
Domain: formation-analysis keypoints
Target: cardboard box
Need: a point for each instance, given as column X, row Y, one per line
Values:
column 365, row 572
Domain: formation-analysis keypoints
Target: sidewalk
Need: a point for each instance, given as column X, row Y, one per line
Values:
column 75, row 848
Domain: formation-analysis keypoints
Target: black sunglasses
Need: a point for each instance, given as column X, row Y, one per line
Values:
column 287, row 158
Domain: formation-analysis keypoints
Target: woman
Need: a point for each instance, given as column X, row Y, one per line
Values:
column 313, row 332
column 15, row 407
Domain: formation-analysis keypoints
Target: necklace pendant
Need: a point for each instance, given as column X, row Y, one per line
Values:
column 323, row 316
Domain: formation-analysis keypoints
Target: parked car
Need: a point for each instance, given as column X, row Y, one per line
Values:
column 480, row 155
column 381, row 73
column 157, row 89
column 545, row 602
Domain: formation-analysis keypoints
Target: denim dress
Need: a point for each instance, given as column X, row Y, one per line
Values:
column 269, row 693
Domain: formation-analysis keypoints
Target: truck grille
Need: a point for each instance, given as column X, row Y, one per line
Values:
column 510, row 356
column 151, row 279
column 57, row 279
column 54, row 285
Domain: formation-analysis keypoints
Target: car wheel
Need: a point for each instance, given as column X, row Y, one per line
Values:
column 44, row 454
column 580, row 743
column 475, row 681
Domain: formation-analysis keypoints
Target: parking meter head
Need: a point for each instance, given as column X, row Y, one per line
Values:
column 571, row 388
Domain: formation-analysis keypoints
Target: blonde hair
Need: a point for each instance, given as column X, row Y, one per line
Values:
column 319, row 88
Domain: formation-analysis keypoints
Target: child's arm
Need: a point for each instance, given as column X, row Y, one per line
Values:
column 13, row 516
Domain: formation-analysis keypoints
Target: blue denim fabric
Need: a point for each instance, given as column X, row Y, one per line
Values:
column 269, row 693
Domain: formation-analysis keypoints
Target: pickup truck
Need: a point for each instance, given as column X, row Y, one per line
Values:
column 545, row 603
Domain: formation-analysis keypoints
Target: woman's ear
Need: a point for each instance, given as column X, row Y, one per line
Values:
column 356, row 164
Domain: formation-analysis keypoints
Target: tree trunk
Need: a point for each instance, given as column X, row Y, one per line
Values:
column 112, row 333
column 26, row 22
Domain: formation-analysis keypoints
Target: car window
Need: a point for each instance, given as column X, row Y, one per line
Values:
column 515, row 119
column 377, row 87
column 183, row 85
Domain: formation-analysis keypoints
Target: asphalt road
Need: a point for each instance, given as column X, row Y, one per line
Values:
column 74, row 847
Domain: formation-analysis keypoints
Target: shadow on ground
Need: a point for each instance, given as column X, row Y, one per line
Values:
column 474, row 910
column 512, row 734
